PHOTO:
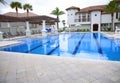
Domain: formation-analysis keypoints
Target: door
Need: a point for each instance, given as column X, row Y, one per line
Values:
column 95, row 27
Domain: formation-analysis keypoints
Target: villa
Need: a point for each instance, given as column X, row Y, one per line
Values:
column 93, row 18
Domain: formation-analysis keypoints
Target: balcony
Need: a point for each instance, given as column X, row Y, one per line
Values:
column 83, row 20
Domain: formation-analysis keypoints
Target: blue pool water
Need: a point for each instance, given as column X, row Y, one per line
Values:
column 83, row 45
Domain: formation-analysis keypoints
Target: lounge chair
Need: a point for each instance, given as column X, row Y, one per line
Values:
column 10, row 34
column 39, row 31
column 17, row 33
column 5, row 35
column 22, row 33
column 34, row 32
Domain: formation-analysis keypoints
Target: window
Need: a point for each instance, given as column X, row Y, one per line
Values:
column 83, row 17
column 88, row 17
column 79, row 18
column 117, row 15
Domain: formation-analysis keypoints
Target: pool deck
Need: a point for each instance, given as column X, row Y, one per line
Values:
column 31, row 68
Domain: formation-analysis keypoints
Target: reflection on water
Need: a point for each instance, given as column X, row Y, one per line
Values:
column 83, row 45
column 98, row 47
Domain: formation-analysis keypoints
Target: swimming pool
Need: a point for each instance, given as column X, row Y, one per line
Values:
column 83, row 45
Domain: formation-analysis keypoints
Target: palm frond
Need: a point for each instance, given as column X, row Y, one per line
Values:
column 57, row 12
column 16, row 4
column 27, row 6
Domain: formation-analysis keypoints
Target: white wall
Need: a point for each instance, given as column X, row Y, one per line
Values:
column 71, row 16
column 106, row 18
column 95, row 19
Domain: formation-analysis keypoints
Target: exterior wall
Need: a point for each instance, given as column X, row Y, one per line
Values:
column 95, row 19
column 106, row 18
column 71, row 16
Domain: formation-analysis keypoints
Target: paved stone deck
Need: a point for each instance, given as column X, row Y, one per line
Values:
column 30, row 68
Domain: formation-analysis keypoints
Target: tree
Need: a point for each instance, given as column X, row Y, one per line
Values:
column 111, row 8
column 16, row 5
column 27, row 7
column 57, row 13
column 63, row 21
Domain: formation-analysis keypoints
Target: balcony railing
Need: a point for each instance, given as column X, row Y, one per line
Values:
column 83, row 20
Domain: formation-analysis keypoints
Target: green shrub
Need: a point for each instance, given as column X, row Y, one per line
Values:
column 60, row 30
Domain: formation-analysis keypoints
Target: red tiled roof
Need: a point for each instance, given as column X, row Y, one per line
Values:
column 13, row 14
column 73, row 7
column 91, row 8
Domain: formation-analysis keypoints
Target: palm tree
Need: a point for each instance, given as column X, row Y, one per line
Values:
column 16, row 5
column 2, row 1
column 27, row 7
column 63, row 21
column 111, row 8
column 57, row 13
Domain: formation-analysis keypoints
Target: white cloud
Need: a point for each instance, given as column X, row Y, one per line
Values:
column 44, row 7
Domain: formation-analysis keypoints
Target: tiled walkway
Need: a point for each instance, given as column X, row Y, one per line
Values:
column 29, row 68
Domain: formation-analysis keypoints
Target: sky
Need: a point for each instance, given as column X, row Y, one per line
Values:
column 44, row 7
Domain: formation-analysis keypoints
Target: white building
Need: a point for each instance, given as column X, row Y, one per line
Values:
column 93, row 18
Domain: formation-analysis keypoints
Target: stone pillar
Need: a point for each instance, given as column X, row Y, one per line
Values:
column 1, row 35
column 99, row 28
column 28, row 32
column 8, row 24
column 43, row 28
column 91, row 27
column 56, row 30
